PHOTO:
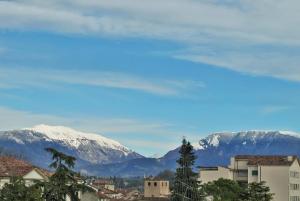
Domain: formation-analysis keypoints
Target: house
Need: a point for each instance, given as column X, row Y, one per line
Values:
column 11, row 167
column 281, row 174
column 156, row 188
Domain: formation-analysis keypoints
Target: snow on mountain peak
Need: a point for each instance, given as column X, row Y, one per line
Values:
column 75, row 138
column 215, row 138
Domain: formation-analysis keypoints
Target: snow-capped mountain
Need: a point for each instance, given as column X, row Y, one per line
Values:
column 102, row 156
column 88, row 148
column 216, row 149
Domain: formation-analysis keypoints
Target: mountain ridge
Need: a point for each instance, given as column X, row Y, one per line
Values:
column 98, row 155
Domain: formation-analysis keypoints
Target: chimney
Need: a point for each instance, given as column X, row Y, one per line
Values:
column 290, row 158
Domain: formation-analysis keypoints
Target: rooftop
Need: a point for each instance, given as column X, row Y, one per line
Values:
column 268, row 159
column 12, row 167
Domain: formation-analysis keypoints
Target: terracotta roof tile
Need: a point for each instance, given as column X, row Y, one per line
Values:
column 12, row 167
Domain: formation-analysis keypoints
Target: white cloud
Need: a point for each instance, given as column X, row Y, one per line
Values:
column 271, row 109
column 16, row 119
column 232, row 26
column 23, row 77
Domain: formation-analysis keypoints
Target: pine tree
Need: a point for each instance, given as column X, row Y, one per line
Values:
column 186, row 185
column 64, row 181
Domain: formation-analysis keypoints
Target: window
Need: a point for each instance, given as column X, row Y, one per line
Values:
column 294, row 186
column 149, row 183
column 155, row 184
column 254, row 173
column 242, row 173
column 294, row 174
column 295, row 198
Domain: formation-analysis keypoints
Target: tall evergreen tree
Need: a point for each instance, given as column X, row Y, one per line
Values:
column 64, row 182
column 186, row 185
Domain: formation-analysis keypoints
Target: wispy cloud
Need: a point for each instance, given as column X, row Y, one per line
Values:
column 46, row 78
column 125, row 130
column 271, row 109
column 16, row 119
column 227, row 29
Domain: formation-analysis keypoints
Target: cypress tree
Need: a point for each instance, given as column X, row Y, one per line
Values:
column 186, row 185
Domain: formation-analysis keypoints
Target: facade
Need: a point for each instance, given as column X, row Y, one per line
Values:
column 209, row 174
column 281, row 174
column 156, row 188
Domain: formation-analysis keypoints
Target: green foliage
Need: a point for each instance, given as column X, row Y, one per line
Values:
column 186, row 185
column 228, row 190
column 64, row 181
column 257, row 192
column 16, row 190
column 223, row 190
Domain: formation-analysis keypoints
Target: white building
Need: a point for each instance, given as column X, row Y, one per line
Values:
column 281, row 174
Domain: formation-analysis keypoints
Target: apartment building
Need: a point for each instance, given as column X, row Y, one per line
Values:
column 281, row 174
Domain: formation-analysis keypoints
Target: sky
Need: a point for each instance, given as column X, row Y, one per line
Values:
column 148, row 72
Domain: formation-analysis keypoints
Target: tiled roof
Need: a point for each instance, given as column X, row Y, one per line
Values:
column 12, row 167
column 267, row 159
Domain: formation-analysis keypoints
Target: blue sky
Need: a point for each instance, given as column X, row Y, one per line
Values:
column 147, row 72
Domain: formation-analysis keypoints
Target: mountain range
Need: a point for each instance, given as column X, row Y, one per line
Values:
column 98, row 155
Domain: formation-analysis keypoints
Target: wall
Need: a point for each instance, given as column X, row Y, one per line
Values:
column 277, row 178
column 206, row 176
column 161, row 189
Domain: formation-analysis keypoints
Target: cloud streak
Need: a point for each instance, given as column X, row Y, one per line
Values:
column 245, row 36
column 47, row 78
column 124, row 128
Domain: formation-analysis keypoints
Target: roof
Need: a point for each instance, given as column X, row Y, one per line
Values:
column 212, row 168
column 102, row 182
column 151, row 178
column 268, row 159
column 12, row 167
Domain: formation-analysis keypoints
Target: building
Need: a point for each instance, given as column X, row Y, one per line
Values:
column 156, row 188
column 209, row 174
column 11, row 167
column 104, row 184
column 281, row 174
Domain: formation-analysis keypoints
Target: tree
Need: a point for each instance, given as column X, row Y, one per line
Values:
column 223, row 190
column 257, row 192
column 64, row 182
column 186, row 186
column 16, row 190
